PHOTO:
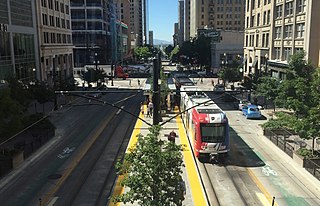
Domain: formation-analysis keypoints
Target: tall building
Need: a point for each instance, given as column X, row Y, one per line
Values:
column 186, row 20
column 277, row 29
column 139, row 22
column 55, row 40
column 176, row 34
column 93, row 31
column 151, row 38
column 216, row 14
column 19, row 54
column 124, row 17
column 181, row 22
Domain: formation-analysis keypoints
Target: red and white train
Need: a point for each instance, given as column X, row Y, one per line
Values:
column 206, row 124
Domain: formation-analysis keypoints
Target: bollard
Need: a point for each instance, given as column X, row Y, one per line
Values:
column 273, row 201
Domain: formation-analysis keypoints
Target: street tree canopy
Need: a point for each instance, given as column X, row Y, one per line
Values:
column 152, row 172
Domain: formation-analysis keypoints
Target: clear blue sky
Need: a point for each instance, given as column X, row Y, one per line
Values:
column 162, row 16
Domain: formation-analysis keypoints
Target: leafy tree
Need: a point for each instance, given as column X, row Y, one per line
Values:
column 268, row 87
column 143, row 52
column 230, row 74
column 11, row 114
column 295, row 91
column 174, row 54
column 19, row 92
column 203, row 50
column 41, row 93
column 152, row 172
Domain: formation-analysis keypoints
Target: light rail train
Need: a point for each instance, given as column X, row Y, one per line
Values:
column 206, row 124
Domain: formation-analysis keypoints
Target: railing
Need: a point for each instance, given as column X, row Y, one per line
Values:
column 281, row 139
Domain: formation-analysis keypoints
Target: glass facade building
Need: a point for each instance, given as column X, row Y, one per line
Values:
column 18, row 40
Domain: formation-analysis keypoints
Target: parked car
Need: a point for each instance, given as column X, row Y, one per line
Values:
column 251, row 112
column 242, row 103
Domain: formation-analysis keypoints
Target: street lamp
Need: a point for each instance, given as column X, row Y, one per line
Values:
column 266, row 58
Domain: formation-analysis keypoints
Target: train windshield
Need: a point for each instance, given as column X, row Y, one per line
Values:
column 213, row 132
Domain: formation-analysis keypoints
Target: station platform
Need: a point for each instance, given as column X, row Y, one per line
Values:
column 194, row 194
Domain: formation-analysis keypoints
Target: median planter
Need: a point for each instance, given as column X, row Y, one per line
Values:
column 306, row 162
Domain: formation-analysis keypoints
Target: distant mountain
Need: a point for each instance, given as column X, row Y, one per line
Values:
column 159, row 42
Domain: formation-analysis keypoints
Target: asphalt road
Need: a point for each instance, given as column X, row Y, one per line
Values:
column 78, row 159
column 256, row 170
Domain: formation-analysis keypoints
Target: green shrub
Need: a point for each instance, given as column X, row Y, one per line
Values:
column 304, row 152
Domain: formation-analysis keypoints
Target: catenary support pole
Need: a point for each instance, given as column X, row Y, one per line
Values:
column 156, row 92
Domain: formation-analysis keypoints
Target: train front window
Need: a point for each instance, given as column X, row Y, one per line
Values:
column 213, row 132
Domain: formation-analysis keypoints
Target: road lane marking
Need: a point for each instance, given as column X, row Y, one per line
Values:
column 262, row 188
column 197, row 190
column 118, row 190
column 53, row 201
column 93, row 137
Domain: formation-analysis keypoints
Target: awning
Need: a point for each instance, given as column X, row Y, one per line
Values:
column 255, row 61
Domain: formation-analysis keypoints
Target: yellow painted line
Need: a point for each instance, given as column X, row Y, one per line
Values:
column 262, row 189
column 197, row 191
column 77, row 159
column 118, row 190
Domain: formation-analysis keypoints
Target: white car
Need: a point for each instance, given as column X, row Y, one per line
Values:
column 243, row 103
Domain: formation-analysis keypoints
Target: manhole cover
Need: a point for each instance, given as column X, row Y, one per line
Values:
column 54, row 176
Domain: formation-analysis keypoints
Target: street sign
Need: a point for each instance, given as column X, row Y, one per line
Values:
column 213, row 34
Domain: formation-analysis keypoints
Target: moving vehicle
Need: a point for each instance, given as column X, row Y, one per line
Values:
column 251, row 112
column 219, row 88
column 206, row 124
column 242, row 103
column 120, row 73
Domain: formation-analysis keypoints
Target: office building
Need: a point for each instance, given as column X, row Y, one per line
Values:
column 93, row 31
column 139, row 22
column 151, row 38
column 187, row 20
column 277, row 29
column 55, row 40
column 19, row 54
column 216, row 15
column 181, row 22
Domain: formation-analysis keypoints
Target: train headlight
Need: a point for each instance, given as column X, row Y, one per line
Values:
column 222, row 147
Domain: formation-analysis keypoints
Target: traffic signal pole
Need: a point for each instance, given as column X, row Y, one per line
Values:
column 156, row 91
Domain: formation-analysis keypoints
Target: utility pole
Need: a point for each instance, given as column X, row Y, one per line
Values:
column 55, row 104
column 156, row 91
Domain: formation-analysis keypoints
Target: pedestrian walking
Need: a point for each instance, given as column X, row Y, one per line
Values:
column 150, row 105
column 172, row 136
column 130, row 82
column 148, row 111
column 139, row 82
column 141, row 108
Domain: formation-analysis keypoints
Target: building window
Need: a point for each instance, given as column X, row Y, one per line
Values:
column 258, row 19
column 63, row 23
column 287, row 53
column 263, row 40
column 44, row 3
column 264, row 17
column 301, row 5
column 56, row 5
column 246, row 40
column 57, row 21
column 268, row 17
column 297, row 50
column 252, row 21
column 67, row 9
column 68, row 24
column 288, row 31
column 45, row 37
column 289, row 8
column 51, row 20
column 267, row 39
column 62, row 7
column 300, row 30
column 50, row 4
column 44, row 19
column 279, row 11
column 277, row 53
column 257, row 40
column 278, row 32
